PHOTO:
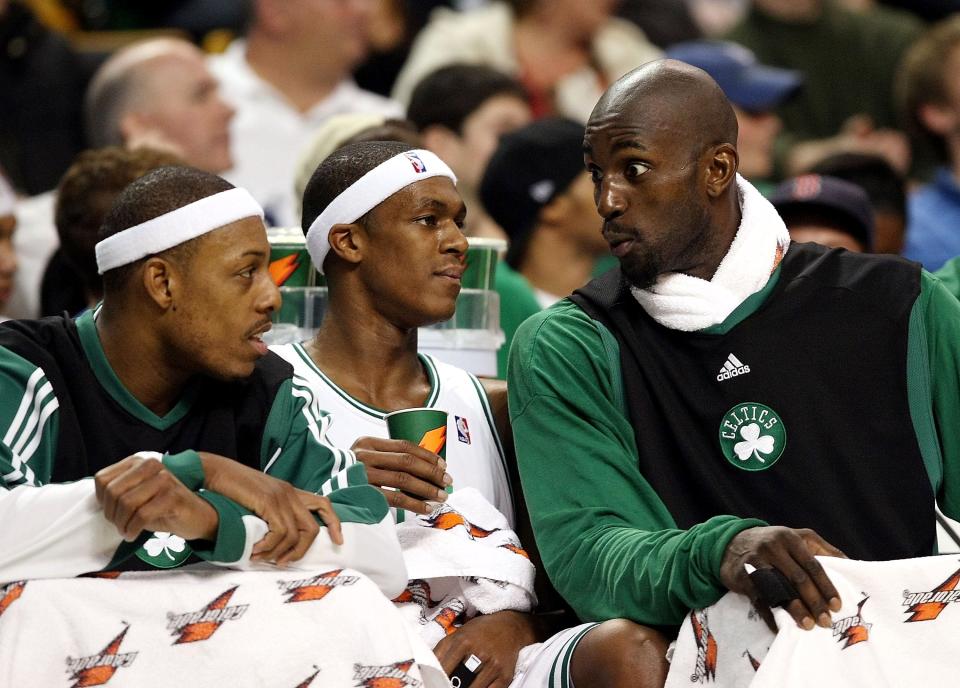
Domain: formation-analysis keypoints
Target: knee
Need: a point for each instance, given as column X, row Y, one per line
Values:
column 620, row 653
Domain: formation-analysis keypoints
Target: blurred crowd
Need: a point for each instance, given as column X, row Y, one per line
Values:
column 848, row 113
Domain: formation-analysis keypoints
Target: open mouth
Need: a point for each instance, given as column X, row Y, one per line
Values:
column 256, row 338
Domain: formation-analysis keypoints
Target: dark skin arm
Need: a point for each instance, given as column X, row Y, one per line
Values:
column 415, row 474
column 141, row 494
column 792, row 552
column 496, row 639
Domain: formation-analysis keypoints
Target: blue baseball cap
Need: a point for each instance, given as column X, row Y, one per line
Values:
column 747, row 84
column 837, row 202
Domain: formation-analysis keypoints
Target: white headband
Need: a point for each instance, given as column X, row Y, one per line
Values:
column 368, row 192
column 176, row 227
column 8, row 199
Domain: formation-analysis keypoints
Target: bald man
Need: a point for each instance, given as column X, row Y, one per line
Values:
column 155, row 94
column 725, row 397
column 159, row 93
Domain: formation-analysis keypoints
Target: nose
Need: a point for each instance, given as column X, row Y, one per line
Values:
column 270, row 299
column 454, row 241
column 611, row 202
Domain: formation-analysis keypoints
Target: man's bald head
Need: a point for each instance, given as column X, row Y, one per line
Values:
column 160, row 93
column 673, row 95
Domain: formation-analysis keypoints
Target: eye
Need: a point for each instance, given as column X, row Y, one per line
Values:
column 635, row 169
column 248, row 273
column 428, row 220
column 595, row 174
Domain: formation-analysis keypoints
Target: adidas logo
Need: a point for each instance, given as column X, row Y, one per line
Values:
column 732, row 368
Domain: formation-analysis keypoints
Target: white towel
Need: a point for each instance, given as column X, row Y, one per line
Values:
column 463, row 560
column 209, row 627
column 682, row 302
column 898, row 628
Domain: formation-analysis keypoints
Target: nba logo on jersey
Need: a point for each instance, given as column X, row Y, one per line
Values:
column 463, row 430
column 417, row 163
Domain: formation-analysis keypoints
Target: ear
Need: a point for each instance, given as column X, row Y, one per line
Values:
column 160, row 282
column 348, row 242
column 721, row 169
column 445, row 143
column 939, row 119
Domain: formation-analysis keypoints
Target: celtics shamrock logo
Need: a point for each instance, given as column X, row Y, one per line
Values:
column 752, row 436
column 164, row 550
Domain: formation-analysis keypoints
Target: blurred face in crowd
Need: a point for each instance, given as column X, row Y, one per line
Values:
column 8, row 258
column 577, row 213
column 943, row 118
column 331, row 32
column 587, row 15
column 825, row 236
column 180, row 108
column 469, row 153
column 757, row 132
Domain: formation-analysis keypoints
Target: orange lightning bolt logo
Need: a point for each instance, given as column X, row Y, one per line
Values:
column 315, row 587
column 926, row 606
column 446, row 518
column 706, row 668
column 282, row 268
column 193, row 627
column 98, row 669
column 433, row 440
column 10, row 594
column 852, row 630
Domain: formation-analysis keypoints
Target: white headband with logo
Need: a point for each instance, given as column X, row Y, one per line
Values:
column 176, row 227
column 368, row 192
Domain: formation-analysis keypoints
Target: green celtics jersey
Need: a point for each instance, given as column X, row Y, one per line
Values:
column 64, row 415
column 610, row 539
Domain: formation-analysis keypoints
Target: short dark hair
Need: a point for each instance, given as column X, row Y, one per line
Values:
column 87, row 192
column 885, row 186
column 922, row 79
column 156, row 193
column 448, row 96
column 340, row 170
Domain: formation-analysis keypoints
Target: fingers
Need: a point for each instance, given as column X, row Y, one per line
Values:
column 322, row 506
column 283, row 535
column 400, row 500
column 795, row 560
column 401, row 456
column 450, row 653
column 489, row 676
column 115, row 484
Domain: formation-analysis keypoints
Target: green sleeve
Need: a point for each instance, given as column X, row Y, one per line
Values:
column 295, row 447
column 517, row 303
column 949, row 275
column 608, row 542
column 29, row 421
column 933, row 371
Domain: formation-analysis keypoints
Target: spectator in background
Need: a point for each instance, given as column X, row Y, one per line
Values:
column 564, row 52
column 156, row 93
column 536, row 188
column 42, row 80
column 8, row 256
column 86, row 193
column 886, row 188
column 159, row 93
column 754, row 90
column 462, row 111
column 848, row 61
column 289, row 74
column 826, row 211
column 338, row 131
column 929, row 95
